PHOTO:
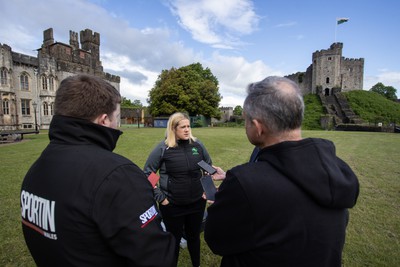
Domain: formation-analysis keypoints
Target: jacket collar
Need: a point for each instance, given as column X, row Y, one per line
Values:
column 75, row 131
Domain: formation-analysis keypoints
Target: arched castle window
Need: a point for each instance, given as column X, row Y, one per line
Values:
column 329, row 58
column 3, row 76
column 6, row 107
column 51, row 83
column 327, row 79
column 51, row 109
column 24, row 81
column 45, row 109
column 44, row 82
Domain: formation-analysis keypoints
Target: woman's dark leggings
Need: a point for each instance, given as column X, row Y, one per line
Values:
column 179, row 223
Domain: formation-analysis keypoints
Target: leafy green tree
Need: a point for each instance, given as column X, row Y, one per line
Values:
column 387, row 91
column 127, row 103
column 190, row 89
column 238, row 110
column 137, row 104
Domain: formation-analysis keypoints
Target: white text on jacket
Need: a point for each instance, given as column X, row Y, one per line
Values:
column 148, row 216
column 38, row 212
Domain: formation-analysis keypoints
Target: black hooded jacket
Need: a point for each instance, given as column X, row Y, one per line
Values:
column 289, row 208
column 83, row 205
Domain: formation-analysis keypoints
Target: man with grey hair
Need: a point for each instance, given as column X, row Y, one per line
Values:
column 289, row 206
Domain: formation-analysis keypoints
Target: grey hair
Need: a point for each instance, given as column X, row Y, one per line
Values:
column 276, row 102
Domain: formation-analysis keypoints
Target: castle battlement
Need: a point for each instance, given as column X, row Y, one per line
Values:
column 88, row 36
column 24, row 59
column 334, row 50
column 112, row 78
column 5, row 47
column 353, row 59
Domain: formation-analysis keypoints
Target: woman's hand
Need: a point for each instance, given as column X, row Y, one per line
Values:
column 205, row 197
column 165, row 202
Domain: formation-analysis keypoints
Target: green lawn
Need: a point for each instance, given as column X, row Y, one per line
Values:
column 373, row 232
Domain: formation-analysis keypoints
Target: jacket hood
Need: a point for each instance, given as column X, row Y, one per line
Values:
column 77, row 131
column 312, row 165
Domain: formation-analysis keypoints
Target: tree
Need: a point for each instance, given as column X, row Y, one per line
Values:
column 190, row 89
column 127, row 103
column 238, row 110
column 387, row 91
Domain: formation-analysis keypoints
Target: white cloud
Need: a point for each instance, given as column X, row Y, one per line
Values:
column 235, row 73
column 136, row 81
column 388, row 78
column 216, row 22
column 288, row 24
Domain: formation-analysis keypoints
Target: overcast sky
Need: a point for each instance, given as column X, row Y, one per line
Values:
column 241, row 41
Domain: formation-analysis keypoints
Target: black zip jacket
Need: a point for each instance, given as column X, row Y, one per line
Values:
column 289, row 208
column 179, row 173
column 83, row 205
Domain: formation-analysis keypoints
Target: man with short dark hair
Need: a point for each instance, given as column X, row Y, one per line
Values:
column 288, row 207
column 82, row 204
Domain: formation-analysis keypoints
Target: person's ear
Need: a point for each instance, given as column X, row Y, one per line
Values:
column 259, row 127
column 102, row 120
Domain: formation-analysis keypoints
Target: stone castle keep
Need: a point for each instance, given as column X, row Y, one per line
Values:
column 28, row 84
column 330, row 73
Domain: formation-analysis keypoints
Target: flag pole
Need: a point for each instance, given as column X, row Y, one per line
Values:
column 339, row 21
column 335, row 28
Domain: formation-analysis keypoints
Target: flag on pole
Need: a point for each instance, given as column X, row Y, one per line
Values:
column 342, row 20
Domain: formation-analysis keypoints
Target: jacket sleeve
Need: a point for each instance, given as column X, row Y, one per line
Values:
column 206, row 156
column 229, row 226
column 153, row 164
column 127, row 217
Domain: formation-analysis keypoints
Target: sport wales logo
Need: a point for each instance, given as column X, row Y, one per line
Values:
column 194, row 151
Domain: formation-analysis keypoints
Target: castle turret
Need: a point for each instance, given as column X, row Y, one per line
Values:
column 91, row 43
column 48, row 38
column 73, row 40
column 326, row 69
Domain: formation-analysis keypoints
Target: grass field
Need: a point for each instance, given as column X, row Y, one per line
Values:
column 373, row 235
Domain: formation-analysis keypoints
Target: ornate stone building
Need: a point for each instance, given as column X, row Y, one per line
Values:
column 28, row 84
column 330, row 72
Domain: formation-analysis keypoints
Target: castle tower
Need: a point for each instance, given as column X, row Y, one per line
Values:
column 91, row 43
column 326, row 72
column 332, row 71
column 352, row 74
column 73, row 40
column 48, row 38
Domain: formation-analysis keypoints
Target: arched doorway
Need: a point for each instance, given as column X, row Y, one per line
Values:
column 326, row 91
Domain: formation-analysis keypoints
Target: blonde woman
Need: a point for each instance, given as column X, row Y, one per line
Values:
column 179, row 192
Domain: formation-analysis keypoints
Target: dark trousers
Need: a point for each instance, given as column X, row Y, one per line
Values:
column 180, row 219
